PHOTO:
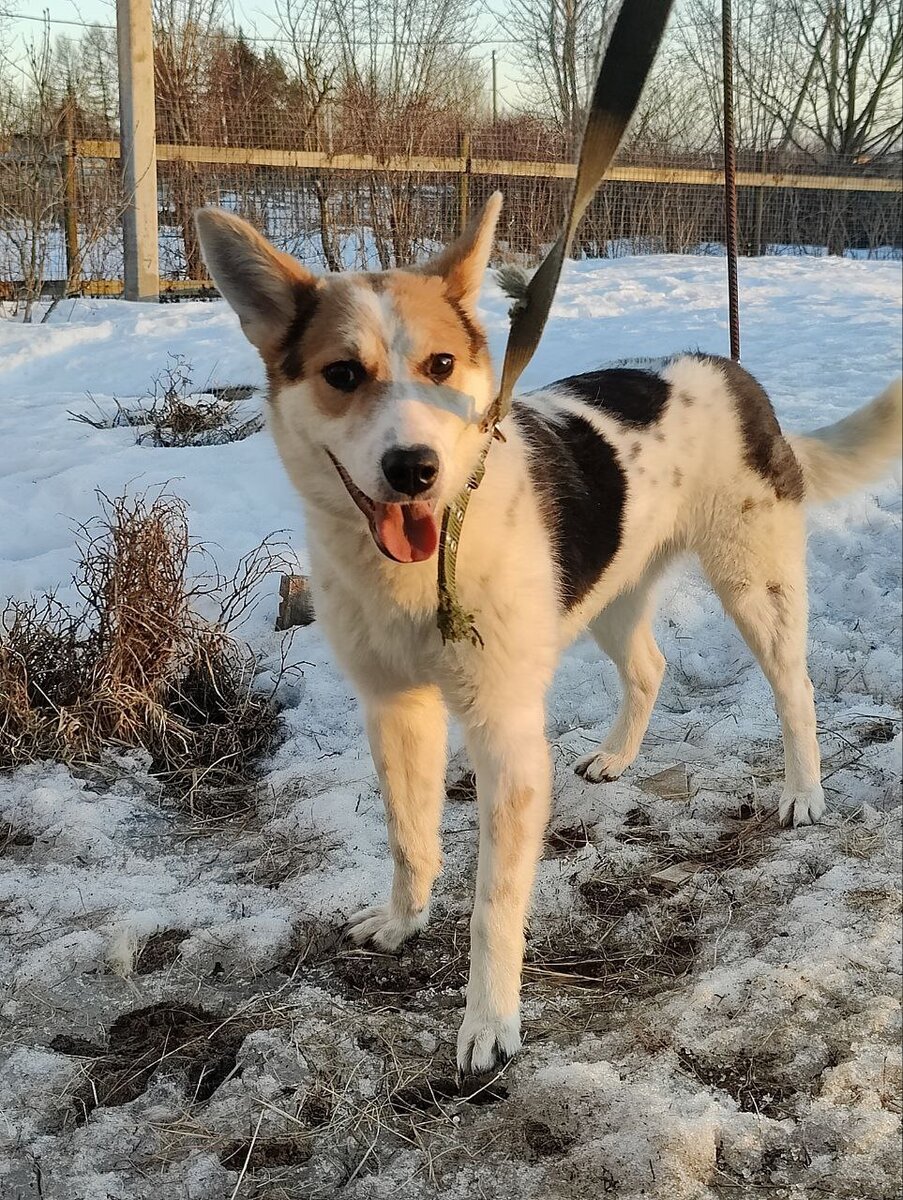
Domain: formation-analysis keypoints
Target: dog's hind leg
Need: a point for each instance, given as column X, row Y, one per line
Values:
column 407, row 733
column 511, row 757
column 624, row 631
column 759, row 573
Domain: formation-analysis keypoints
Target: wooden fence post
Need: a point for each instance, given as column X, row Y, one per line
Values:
column 464, row 182
column 138, row 151
column 70, row 199
column 753, row 244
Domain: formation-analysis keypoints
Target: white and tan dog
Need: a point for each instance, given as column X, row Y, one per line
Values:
column 377, row 383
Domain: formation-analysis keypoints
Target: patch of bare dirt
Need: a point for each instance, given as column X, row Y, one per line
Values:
column 159, row 951
column 163, row 1038
column 430, row 971
column 463, row 790
column 12, row 838
column 440, row 1095
column 758, row 1084
column 542, row 1142
column 566, row 840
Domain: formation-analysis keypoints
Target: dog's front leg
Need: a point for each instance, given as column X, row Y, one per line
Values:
column 407, row 732
column 511, row 758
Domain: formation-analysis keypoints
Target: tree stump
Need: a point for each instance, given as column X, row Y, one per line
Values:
column 295, row 603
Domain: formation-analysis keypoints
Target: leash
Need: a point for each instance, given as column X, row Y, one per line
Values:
column 619, row 83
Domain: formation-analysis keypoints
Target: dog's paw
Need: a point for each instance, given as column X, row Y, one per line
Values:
column 601, row 767
column 486, row 1043
column 802, row 808
column 384, row 928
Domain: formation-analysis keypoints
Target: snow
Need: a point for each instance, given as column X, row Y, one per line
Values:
column 772, row 1068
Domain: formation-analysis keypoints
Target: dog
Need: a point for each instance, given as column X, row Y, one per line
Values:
column 377, row 383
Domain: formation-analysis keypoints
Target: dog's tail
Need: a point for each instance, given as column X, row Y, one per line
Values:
column 513, row 281
column 842, row 457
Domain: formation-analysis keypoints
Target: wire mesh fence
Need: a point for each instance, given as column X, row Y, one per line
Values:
column 371, row 157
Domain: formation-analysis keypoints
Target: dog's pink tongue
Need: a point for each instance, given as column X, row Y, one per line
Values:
column 408, row 532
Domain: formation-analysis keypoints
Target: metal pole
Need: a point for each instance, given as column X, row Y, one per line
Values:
column 730, row 178
column 137, row 149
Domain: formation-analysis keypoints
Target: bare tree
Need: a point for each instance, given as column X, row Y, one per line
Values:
column 183, row 30
column 98, row 73
column 30, row 175
column 851, row 87
column 310, row 65
column 407, row 84
column 819, row 76
column 560, row 41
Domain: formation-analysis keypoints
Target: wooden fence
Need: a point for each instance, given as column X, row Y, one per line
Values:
column 465, row 165
column 673, row 192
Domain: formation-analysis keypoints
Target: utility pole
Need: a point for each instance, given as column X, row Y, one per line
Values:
column 495, row 91
column 137, row 149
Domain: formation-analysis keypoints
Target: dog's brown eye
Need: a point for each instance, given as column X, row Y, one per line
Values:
column 440, row 366
column 346, row 375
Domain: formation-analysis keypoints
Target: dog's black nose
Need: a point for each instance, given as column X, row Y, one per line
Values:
column 411, row 471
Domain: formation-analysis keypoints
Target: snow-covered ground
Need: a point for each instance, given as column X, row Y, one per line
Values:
column 736, row 1037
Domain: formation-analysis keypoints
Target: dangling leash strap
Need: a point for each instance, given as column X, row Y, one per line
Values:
column 619, row 83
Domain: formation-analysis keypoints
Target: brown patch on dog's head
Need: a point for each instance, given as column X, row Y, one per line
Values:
column 433, row 320
column 348, row 326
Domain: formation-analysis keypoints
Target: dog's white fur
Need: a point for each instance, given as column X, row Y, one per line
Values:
column 696, row 494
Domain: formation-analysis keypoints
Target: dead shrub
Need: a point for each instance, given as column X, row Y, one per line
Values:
column 174, row 413
column 137, row 666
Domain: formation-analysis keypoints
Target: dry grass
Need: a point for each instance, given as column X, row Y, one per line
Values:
column 743, row 840
column 136, row 666
column 174, row 413
column 344, row 1120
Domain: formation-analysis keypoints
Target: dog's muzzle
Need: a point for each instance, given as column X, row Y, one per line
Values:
column 406, row 533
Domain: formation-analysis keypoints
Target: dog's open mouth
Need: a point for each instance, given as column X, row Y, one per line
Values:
column 406, row 533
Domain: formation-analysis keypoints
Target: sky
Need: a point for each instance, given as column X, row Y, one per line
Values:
column 22, row 21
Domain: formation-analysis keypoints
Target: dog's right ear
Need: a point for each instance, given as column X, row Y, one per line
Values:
column 270, row 291
column 463, row 263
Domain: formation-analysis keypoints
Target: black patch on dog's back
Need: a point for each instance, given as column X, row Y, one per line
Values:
column 766, row 450
column 635, row 398
column 582, row 490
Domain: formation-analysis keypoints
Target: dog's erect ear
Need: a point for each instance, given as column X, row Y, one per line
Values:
column 268, row 289
column 463, row 263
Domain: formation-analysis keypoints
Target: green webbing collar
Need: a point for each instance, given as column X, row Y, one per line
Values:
column 619, row 83
column 455, row 623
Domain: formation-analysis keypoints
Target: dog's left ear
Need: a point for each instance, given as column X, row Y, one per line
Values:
column 463, row 264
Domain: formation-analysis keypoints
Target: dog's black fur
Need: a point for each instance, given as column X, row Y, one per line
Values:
column 637, row 398
column 767, row 451
column 582, row 489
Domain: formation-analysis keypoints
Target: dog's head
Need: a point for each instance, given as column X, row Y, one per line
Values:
column 384, row 375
